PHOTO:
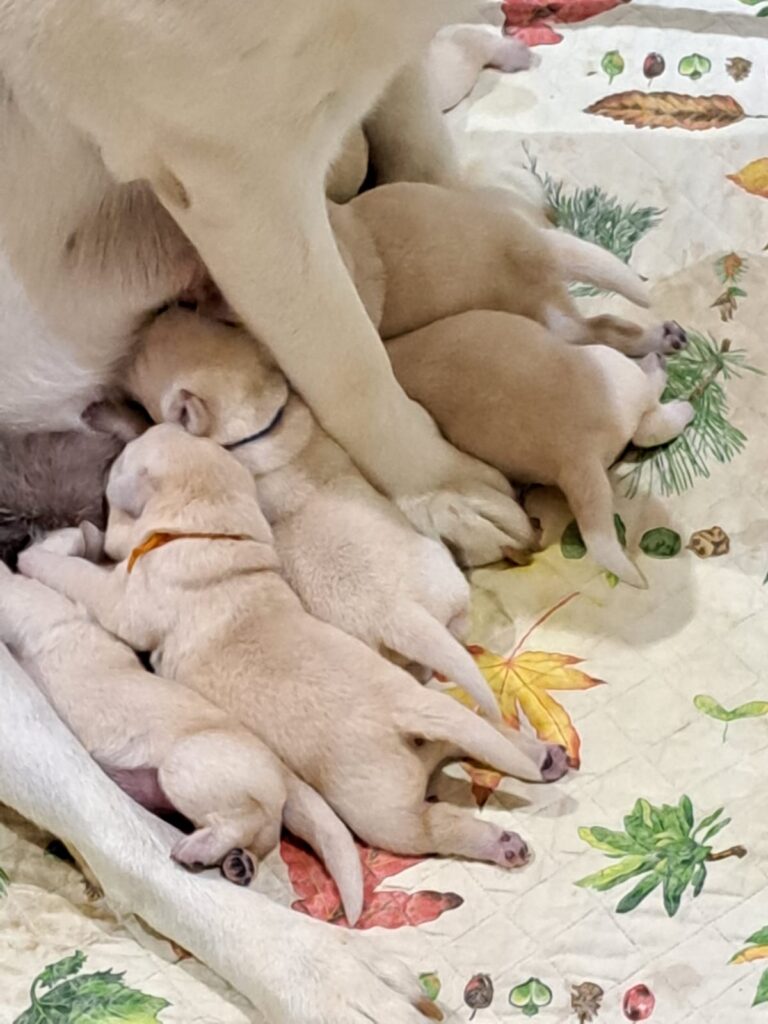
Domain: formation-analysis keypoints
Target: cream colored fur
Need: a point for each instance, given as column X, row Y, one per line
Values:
column 221, row 619
column 347, row 551
column 420, row 252
column 231, row 117
column 511, row 392
column 209, row 767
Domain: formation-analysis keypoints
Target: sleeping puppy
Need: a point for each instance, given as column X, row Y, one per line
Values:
column 512, row 393
column 165, row 745
column 198, row 583
column 350, row 555
column 418, row 253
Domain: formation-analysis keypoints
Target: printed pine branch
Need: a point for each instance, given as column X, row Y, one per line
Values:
column 697, row 374
column 595, row 216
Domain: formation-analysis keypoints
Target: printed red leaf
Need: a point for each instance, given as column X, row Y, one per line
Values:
column 535, row 35
column 394, row 908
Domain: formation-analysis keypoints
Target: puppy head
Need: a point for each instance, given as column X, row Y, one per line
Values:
column 169, row 480
column 217, row 381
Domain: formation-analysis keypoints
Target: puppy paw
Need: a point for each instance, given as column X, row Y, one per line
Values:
column 69, row 541
column 477, row 522
column 238, row 867
column 555, row 763
column 512, row 55
column 511, row 850
column 667, row 338
column 198, row 851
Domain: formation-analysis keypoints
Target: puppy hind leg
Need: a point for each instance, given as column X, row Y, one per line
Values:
column 588, row 491
column 228, row 786
column 663, row 423
column 453, row 831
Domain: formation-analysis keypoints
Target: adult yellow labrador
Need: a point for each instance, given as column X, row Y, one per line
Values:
column 229, row 112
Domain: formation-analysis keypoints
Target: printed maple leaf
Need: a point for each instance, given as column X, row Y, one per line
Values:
column 522, row 682
column 393, row 908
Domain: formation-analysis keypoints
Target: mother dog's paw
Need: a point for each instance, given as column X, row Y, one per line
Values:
column 350, row 980
column 477, row 522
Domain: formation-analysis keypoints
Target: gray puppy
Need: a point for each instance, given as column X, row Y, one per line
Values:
column 52, row 480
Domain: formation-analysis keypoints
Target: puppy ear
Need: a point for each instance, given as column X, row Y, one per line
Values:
column 128, row 490
column 188, row 410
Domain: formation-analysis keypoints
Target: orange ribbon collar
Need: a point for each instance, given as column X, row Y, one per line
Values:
column 159, row 540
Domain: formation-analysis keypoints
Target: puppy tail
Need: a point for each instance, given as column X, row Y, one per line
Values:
column 589, row 494
column 310, row 818
column 436, row 717
column 584, row 261
column 412, row 632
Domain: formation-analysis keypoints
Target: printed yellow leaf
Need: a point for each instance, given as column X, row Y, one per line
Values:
column 669, row 110
column 753, row 178
column 746, row 956
column 521, row 683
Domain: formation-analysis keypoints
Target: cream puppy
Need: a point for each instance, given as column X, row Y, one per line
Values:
column 164, row 744
column 419, row 252
column 350, row 555
column 198, row 583
column 509, row 391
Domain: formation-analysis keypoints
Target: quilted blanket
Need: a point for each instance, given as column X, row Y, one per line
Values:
column 648, row 894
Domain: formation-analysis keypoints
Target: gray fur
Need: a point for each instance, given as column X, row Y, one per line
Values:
column 48, row 481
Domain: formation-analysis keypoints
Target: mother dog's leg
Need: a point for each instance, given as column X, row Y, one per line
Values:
column 293, row 969
column 238, row 157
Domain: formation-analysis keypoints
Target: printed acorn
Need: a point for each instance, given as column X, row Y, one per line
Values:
column 478, row 993
column 654, row 66
column 639, row 1003
column 430, row 985
column 612, row 64
column 710, row 543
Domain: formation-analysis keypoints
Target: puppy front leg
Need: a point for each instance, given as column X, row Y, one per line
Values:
column 101, row 591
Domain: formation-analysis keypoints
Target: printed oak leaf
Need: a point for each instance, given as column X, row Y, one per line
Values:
column 99, row 998
column 753, row 178
column 670, row 110
column 757, row 949
column 392, row 908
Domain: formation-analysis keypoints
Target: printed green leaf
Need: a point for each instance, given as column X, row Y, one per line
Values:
column 4, row 882
column 571, row 543
column 698, row 878
column 674, row 886
column 759, row 938
column 634, row 898
column 62, row 969
column 99, row 998
column 660, row 542
column 606, row 879
column 621, row 530
column 761, row 996
column 686, row 810
column 709, row 706
column 609, row 841
column 660, row 843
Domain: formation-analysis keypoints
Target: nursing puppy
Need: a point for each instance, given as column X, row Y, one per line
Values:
column 418, row 253
column 350, row 555
column 509, row 391
column 164, row 744
column 198, row 584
